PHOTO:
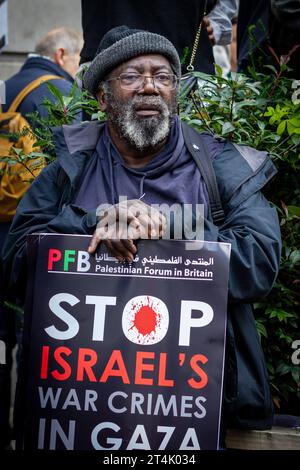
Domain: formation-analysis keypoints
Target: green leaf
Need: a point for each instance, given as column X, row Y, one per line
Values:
column 295, row 139
column 281, row 315
column 283, row 369
column 281, row 128
column 218, row 70
column 17, row 151
column 295, row 122
column 67, row 100
column 55, row 92
column 41, row 143
column 272, row 68
column 296, row 374
column 261, row 125
column 295, row 256
column 35, row 155
column 14, row 307
column 294, row 210
column 292, row 129
column 269, row 112
column 261, row 329
column 227, row 127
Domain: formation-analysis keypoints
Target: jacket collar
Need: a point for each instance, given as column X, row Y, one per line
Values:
column 74, row 144
column 82, row 136
column 46, row 65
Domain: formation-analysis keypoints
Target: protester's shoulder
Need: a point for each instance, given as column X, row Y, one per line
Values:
column 224, row 149
column 63, row 85
column 242, row 170
column 215, row 144
column 238, row 166
column 224, row 152
column 244, row 159
column 14, row 85
column 35, row 101
column 49, row 174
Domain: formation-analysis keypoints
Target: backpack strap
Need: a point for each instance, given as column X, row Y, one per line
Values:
column 199, row 151
column 28, row 89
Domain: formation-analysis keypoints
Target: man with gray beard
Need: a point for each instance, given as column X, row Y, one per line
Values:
column 140, row 157
column 140, row 132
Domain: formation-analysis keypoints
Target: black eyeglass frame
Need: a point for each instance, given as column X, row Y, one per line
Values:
column 141, row 81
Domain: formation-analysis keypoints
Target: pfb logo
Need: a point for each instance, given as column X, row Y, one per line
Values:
column 59, row 258
column 145, row 320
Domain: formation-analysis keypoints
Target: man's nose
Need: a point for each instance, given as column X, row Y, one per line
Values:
column 149, row 86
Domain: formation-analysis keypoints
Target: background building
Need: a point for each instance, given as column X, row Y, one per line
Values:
column 28, row 21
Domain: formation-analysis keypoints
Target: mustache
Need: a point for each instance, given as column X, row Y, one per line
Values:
column 155, row 102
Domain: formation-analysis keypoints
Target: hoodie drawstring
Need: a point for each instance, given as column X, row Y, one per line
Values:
column 142, row 186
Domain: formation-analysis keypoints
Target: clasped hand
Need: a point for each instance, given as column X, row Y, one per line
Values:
column 120, row 224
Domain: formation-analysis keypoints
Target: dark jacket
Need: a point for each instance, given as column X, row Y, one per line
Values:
column 177, row 20
column 251, row 226
column 33, row 68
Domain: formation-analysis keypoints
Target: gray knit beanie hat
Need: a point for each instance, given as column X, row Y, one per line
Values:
column 121, row 44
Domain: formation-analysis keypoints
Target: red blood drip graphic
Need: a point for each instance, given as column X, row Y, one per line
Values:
column 145, row 320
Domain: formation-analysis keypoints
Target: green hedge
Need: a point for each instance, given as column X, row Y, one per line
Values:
column 263, row 111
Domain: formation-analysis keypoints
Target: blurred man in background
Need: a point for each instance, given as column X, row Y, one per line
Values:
column 57, row 54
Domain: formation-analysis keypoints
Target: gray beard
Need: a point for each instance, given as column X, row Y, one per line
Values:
column 142, row 132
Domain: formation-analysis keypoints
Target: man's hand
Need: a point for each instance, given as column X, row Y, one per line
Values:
column 122, row 223
column 210, row 30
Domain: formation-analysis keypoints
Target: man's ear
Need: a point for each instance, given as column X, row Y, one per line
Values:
column 101, row 99
column 59, row 56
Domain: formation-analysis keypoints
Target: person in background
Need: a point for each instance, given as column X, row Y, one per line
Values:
column 225, row 56
column 57, row 53
column 233, row 47
column 219, row 24
column 177, row 20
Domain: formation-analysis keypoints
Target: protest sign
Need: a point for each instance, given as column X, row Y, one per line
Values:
column 124, row 356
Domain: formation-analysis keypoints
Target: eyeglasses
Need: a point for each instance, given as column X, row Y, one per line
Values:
column 135, row 81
